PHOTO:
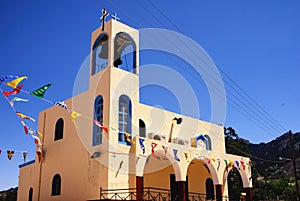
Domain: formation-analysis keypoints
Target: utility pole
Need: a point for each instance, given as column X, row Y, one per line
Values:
column 294, row 164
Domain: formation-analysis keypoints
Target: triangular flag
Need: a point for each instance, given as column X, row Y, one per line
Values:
column 14, row 83
column 10, row 154
column 0, row 151
column 237, row 164
column 165, row 149
column 37, row 140
column 208, row 160
column 24, row 154
column 14, row 91
column 15, row 99
column 73, row 116
column 219, row 163
column 243, row 165
column 61, row 104
column 141, row 140
column 175, row 154
column 226, row 164
column 25, row 127
column 186, row 155
column 213, row 159
column 100, row 126
column 40, row 91
column 128, row 138
column 153, row 145
column 39, row 154
column 23, row 116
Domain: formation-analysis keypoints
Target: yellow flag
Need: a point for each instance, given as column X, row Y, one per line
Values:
column 14, row 83
column 128, row 139
column 186, row 155
column 75, row 115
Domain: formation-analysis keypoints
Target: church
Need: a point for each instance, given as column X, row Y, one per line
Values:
column 107, row 146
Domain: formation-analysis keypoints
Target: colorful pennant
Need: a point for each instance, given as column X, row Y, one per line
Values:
column 62, row 104
column 17, row 99
column 153, row 145
column 23, row 116
column 175, row 154
column 40, row 91
column 14, row 91
column 24, row 154
column 141, row 140
column 100, row 126
column 10, row 154
column 14, row 83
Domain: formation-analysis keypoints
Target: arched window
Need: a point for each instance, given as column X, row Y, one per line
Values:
column 210, row 193
column 100, row 53
column 208, row 142
column 98, row 111
column 142, row 127
column 124, row 119
column 59, row 129
column 125, row 52
column 56, row 185
column 30, row 194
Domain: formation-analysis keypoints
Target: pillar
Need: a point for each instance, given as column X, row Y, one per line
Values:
column 139, row 188
column 248, row 194
column 182, row 194
column 219, row 192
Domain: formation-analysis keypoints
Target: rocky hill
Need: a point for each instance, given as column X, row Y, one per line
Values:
column 266, row 156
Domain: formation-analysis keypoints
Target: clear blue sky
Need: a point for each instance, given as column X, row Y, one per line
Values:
column 256, row 43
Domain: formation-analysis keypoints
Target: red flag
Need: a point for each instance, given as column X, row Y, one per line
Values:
column 153, row 145
column 243, row 164
column 208, row 160
column 25, row 126
column 14, row 91
column 165, row 149
column 0, row 151
column 100, row 126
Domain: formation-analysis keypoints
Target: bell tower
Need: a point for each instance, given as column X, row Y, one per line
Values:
column 114, row 88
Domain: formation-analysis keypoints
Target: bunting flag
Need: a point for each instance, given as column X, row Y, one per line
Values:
column 100, row 126
column 39, row 154
column 213, row 159
column 37, row 140
column 0, row 151
column 219, row 163
column 10, row 154
column 61, row 104
column 23, row 116
column 250, row 163
column 128, row 138
column 14, row 83
column 243, row 165
column 14, row 91
column 73, row 116
column 153, row 145
column 165, row 150
column 226, row 164
column 40, row 91
column 32, row 132
column 24, row 154
column 208, row 160
column 17, row 99
column 237, row 164
column 2, row 79
column 186, row 155
column 142, row 144
column 175, row 154
column 25, row 127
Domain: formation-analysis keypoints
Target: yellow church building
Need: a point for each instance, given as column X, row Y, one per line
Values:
column 129, row 156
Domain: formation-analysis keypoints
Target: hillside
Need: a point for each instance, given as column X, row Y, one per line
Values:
column 266, row 156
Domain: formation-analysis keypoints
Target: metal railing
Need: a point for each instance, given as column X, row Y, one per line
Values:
column 147, row 193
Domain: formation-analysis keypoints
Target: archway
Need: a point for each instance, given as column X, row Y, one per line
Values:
column 235, row 184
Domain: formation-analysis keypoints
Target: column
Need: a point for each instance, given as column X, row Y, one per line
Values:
column 139, row 188
column 248, row 194
column 219, row 192
column 181, row 190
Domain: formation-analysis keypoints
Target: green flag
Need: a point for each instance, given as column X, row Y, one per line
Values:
column 41, row 91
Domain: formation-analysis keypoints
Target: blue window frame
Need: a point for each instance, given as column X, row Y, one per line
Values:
column 124, row 119
column 98, row 112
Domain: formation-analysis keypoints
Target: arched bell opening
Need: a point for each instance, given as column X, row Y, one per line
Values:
column 124, row 52
column 100, row 53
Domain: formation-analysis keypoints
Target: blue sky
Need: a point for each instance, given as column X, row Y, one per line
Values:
column 256, row 43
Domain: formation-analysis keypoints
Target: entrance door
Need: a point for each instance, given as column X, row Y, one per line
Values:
column 174, row 188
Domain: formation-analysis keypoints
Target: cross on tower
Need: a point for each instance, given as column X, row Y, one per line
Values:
column 115, row 17
column 104, row 15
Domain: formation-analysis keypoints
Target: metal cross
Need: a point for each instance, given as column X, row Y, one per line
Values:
column 115, row 17
column 104, row 15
